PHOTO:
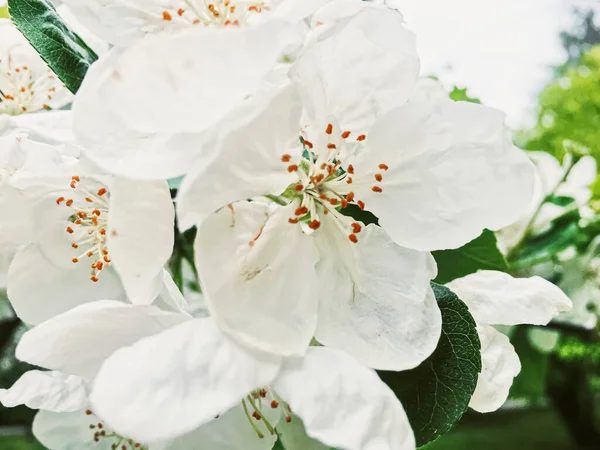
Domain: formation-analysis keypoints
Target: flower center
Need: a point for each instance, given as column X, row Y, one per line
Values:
column 216, row 12
column 88, row 223
column 256, row 403
column 325, row 186
column 22, row 90
column 102, row 434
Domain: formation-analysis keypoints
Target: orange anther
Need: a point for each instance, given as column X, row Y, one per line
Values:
column 308, row 143
column 59, row 200
column 288, row 419
column 344, row 203
column 89, row 200
column 353, row 238
column 378, row 177
column 356, row 227
column 166, row 16
column 23, row 108
column 69, row 202
column 377, row 189
column 383, row 166
column 78, row 222
column 331, row 146
column 329, row 129
column 301, row 211
column 76, row 178
column 89, row 254
column 99, row 265
column 104, row 251
column 103, row 232
column 73, row 184
column 180, row 11
column 88, row 412
column 323, row 197
column 94, row 278
column 298, row 187
column 361, row 204
column 292, row 168
column 286, row 158
column 350, row 196
column 75, row 260
column 274, row 404
column 74, row 245
column 69, row 230
column 350, row 169
column 101, row 192
column 362, row 137
column 106, row 260
column 314, row 225
column 345, row 134
column 23, row 89
column 294, row 220
column 349, row 180
column 333, row 201
column 96, row 211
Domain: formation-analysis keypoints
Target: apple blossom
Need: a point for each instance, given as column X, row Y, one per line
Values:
column 122, row 22
column 496, row 298
column 27, row 85
column 185, row 362
column 95, row 236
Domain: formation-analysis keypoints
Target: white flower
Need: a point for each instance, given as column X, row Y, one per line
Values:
column 27, row 85
column 187, row 383
column 122, row 22
column 496, row 298
column 435, row 173
column 129, row 132
column 95, row 237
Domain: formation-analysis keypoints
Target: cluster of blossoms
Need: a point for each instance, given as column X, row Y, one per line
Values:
column 279, row 119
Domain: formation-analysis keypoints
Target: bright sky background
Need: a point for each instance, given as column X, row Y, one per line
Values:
column 501, row 50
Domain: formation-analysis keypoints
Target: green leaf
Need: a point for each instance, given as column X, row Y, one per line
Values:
column 479, row 254
column 531, row 381
column 65, row 52
column 461, row 95
column 437, row 393
column 292, row 436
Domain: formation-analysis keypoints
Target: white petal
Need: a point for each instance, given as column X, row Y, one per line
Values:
column 375, row 301
column 295, row 11
column 189, row 78
column 248, row 163
column 230, row 431
column 496, row 298
column 39, row 290
column 167, row 385
column 500, row 365
column 452, row 172
column 54, row 127
column 52, row 391
column 119, row 149
column 78, row 341
column 140, row 235
column 361, row 68
column 257, row 272
column 344, row 404
column 67, row 431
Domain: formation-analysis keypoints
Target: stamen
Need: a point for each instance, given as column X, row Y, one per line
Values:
column 353, row 238
column 378, row 177
column 376, row 189
column 292, row 168
column 350, row 169
column 166, row 16
column 314, row 225
column 361, row 138
column 356, row 227
column 329, row 129
column 345, row 135
column 383, row 167
column 286, row 158
column 361, row 204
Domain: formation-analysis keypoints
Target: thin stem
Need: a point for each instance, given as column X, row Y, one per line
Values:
column 252, row 424
column 264, row 419
column 528, row 228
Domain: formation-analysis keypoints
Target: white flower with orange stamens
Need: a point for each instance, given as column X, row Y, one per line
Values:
column 150, row 369
column 434, row 172
column 95, row 236
column 28, row 88
column 122, row 22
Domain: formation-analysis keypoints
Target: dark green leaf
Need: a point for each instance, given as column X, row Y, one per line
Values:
column 479, row 254
column 437, row 393
column 65, row 52
column 363, row 216
column 561, row 200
